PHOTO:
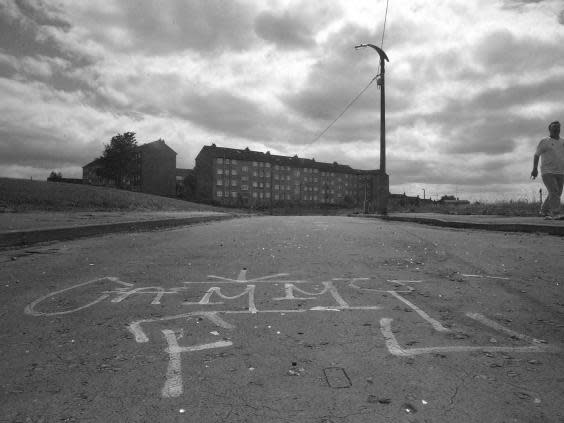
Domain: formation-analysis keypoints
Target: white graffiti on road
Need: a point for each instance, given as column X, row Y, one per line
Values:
column 240, row 296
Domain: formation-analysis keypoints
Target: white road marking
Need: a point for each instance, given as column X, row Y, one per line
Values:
column 333, row 308
column 30, row 308
column 173, row 386
column 213, row 317
column 250, row 291
column 484, row 276
column 159, row 291
column 243, row 277
column 435, row 323
column 395, row 349
column 405, row 283
column 329, row 287
column 494, row 325
column 140, row 336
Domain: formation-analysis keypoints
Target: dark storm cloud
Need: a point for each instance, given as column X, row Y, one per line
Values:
column 44, row 149
column 502, row 52
column 25, row 28
column 492, row 120
column 218, row 110
column 438, row 172
column 333, row 83
column 42, row 14
column 161, row 28
column 521, row 4
column 297, row 26
column 335, row 77
column 222, row 111
column 284, row 30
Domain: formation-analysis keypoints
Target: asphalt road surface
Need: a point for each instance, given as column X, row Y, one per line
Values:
column 285, row 319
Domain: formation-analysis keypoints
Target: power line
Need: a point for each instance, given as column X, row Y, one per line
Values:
column 344, row 111
column 384, row 29
column 364, row 89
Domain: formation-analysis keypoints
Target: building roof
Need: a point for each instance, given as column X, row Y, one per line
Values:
column 93, row 163
column 160, row 144
column 293, row 161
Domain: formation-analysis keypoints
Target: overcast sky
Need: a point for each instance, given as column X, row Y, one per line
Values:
column 470, row 87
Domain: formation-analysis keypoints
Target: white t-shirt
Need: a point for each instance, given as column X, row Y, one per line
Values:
column 551, row 152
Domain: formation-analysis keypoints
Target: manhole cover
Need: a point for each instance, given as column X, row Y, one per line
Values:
column 337, row 377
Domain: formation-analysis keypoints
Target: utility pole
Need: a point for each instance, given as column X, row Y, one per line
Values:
column 383, row 186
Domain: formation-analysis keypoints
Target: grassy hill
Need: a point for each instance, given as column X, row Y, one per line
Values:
column 20, row 195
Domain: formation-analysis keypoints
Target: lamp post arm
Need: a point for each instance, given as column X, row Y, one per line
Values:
column 381, row 52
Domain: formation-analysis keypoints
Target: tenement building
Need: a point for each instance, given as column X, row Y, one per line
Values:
column 243, row 177
column 154, row 171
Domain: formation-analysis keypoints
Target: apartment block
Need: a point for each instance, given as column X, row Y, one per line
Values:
column 242, row 177
column 155, row 171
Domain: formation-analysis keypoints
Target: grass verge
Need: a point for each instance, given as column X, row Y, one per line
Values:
column 22, row 195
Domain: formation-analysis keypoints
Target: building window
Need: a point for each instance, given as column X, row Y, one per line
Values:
column 245, row 169
column 244, row 187
column 255, row 173
column 233, row 183
column 219, row 182
column 227, row 161
column 267, row 195
column 220, row 171
column 219, row 160
column 255, row 184
column 219, row 193
column 255, row 164
column 234, row 172
column 244, row 178
column 233, row 161
column 234, row 194
column 255, row 194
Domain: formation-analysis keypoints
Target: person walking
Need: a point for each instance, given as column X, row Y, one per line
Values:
column 550, row 151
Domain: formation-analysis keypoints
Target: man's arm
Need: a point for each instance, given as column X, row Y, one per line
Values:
column 535, row 171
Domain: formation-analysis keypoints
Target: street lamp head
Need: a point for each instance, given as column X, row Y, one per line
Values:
column 381, row 52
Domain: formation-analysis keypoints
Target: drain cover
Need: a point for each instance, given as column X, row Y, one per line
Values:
column 337, row 377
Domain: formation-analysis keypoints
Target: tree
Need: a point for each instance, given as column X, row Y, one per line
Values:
column 189, row 191
column 55, row 176
column 118, row 159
